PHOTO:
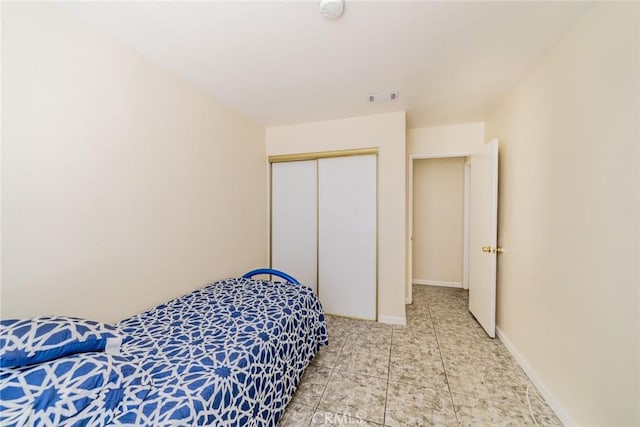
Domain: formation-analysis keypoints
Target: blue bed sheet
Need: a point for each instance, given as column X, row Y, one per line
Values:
column 229, row 354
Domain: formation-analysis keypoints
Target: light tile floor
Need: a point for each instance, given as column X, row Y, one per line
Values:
column 440, row 369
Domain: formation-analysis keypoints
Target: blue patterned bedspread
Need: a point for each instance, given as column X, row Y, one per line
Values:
column 229, row 354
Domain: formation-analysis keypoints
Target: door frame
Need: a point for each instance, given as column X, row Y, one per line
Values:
column 465, row 249
column 317, row 156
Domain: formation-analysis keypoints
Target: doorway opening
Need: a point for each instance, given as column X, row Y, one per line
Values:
column 438, row 225
column 480, row 231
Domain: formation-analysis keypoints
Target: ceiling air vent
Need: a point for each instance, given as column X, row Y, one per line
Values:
column 383, row 97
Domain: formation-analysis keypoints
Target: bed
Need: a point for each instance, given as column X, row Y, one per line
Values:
column 228, row 354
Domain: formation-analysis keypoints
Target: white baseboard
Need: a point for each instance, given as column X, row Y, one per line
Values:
column 437, row 283
column 535, row 379
column 392, row 320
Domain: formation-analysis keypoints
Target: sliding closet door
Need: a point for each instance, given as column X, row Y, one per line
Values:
column 294, row 198
column 347, row 235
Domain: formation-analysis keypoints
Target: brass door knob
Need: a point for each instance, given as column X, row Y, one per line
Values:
column 490, row 250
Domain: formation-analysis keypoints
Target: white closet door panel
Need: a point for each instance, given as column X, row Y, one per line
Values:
column 294, row 244
column 347, row 235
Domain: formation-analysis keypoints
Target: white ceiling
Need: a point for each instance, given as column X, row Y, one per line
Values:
column 283, row 63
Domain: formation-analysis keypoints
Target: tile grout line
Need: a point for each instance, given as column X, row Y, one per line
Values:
column 444, row 369
column 333, row 369
column 324, row 389
column 386, row 392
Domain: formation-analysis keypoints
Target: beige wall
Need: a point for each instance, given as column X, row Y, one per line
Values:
column 438, row 214
column 387, row 133
column 445, row 140
column 122, row 185
column 568, row 280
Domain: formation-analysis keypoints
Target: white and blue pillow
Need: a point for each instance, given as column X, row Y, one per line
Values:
column 40, row 339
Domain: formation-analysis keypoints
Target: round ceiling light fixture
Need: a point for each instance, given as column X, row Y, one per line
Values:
column 332, row 9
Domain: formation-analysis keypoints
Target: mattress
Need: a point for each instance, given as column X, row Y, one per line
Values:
column 228, row 354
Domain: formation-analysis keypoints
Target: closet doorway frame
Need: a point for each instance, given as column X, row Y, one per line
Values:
column 465, row 249
column 317, row 155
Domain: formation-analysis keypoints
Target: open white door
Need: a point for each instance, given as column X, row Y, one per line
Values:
column 483, row 235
